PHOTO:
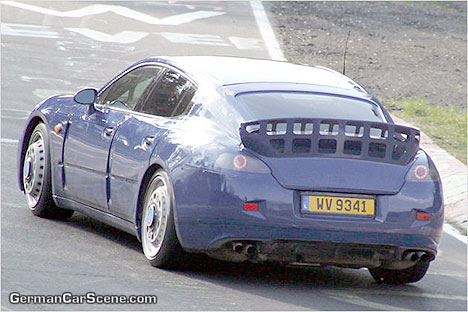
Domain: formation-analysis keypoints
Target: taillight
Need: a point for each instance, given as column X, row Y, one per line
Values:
column 423, row 169
column 420, row 172
column 241, row 162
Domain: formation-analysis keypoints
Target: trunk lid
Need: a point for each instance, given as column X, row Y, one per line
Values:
column 337, row 175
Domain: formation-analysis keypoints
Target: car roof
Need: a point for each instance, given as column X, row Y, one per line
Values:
column 225, row 71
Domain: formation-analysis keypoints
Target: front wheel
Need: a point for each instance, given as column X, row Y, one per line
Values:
column 158, row 237
column 37, row 177
column 408, row 275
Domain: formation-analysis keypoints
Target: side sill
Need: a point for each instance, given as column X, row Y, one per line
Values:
column 94, row 213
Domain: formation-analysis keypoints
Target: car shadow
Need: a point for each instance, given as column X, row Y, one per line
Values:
column 90, row 225
column 334, row 287
column 294, row 285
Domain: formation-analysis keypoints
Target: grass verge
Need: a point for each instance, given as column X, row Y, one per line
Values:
column 446, row 126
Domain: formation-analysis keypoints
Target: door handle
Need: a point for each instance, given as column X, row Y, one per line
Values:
column 149, row 140
column 108, row 131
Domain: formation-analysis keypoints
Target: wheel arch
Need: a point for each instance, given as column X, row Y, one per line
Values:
column 141, row 193
column 24, row 144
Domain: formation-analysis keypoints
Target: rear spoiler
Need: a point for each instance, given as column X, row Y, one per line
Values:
column 334, row 138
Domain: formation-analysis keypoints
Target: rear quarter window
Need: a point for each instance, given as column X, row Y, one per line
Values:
column 170, row 97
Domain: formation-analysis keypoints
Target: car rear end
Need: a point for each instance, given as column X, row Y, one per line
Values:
column 325, row 190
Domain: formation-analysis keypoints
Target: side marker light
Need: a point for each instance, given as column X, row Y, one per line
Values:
column 58, row 128
column 250, row 207
column 423, row 216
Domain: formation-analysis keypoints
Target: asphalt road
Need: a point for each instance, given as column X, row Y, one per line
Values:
column 54, row 47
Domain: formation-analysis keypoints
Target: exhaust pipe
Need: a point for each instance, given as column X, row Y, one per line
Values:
column 421, row 254
column 251, row 251
column 427, row 257
column 413, row 256
column 238, row 247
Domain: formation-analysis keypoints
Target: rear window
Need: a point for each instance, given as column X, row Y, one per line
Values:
column 272, row 105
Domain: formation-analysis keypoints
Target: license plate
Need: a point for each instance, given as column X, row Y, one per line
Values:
column 359, row 206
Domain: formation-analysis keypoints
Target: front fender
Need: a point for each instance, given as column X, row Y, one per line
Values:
column 55, row 110
column 35, row 117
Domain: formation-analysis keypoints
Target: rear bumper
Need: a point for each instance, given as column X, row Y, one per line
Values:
column 218, row 220
column 320, row 252
column 352, row 249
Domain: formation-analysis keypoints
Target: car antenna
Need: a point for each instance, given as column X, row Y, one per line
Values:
column 345, row 50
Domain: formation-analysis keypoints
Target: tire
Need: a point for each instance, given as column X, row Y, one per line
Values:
column 37, row 177
column 158, row 237
column 409, row 275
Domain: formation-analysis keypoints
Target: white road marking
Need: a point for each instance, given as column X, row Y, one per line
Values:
column 30, row 79
column 123, row 37
column 127, row 37
column 8, row 141
column 15, row 110
column 120, row 10
column 15, row 117
column 454, row 232
column 195, row 39
column 26, row 78
column 266, row 31
column 404, row 293
column 351, row 296
column 344, row 296
column 23, row 30
column 188, row 17
column 448, row 274
column 46, row 93
column 246, row 43
column 90, row 49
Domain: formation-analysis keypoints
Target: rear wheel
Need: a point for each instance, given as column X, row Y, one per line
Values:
column 158, row 237
column 37, row 177
column 408, row 275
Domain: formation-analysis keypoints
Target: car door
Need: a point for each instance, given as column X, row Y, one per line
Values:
column 137, row 138
column 90, row 135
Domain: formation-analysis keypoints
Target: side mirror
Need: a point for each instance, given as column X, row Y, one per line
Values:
column 86, row 96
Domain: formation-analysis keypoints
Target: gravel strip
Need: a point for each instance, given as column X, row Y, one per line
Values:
column 396, row 50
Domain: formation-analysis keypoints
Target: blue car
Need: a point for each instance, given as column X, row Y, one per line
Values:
column 241, row 159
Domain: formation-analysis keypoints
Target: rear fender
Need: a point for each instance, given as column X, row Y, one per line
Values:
column 155, row 163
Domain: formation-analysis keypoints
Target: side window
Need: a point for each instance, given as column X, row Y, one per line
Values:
column 127, row 90
column 170, row 97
